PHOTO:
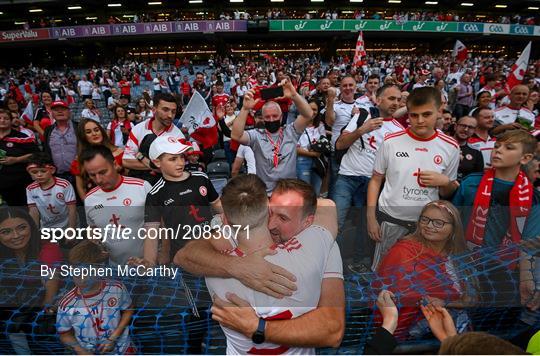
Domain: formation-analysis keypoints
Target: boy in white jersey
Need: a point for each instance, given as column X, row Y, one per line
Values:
column 93, row 317
column 417, row 165
column 245, row 204
column 116, row 203
column 51, row 200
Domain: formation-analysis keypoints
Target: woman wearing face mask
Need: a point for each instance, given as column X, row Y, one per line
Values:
column 429, row 266
column 305, row 162
column 21, row 254
column 90, row 133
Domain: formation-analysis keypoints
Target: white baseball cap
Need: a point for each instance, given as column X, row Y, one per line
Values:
column 167, row 144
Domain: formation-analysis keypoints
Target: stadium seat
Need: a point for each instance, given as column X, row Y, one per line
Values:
column 219, row 169
column 219, row 155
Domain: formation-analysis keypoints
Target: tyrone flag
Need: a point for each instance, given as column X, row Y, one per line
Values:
column 360, row 51
column 518, row 69
column 460, row 51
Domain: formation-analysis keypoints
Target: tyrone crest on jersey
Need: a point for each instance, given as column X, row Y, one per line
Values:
column 203, row 191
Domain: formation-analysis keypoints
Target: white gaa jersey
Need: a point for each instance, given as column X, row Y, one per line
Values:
column 359, row 161
column 93, row 318
column 52, row 203
column 401, row 158
column 306, row 256
column 142, row 129
column 343, row 112
column 485, row 147
column 123, row 207
column 507, row 115
column 365, row 102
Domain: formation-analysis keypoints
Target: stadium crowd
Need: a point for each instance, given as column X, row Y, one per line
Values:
column 423, row 169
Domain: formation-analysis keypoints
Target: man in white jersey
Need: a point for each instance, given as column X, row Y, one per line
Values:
column 368, row 100
column 143, row 134
column 337, row 115
column 515, row 111
column 245, row 204
column 292, row 207
column 117, row 202
column 481, row 140
column 362, row 142
column 417, row 166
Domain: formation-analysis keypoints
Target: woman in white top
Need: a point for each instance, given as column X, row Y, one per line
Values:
column 143, row 110
column 91, row 112
column 305, row 160
column 119, row 128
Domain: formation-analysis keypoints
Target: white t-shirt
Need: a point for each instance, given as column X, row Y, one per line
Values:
column 94, row 318
column 228, row 119
column 343, row 114
column 359, row 161
column 246, row 153
column 400, row 159
column 88, row 114
column 311, row 133
column 52, row 203
column 307, row 255
column 123, row 206
column 157, row 85
column 142, row 129
column 506, row 115
column 365, row 102
column 85, row 87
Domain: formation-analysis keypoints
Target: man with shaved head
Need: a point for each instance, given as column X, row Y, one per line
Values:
column 515, row 112
column 274, row 147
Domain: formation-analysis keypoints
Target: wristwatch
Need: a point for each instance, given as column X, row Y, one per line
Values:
column 258, row 335
column 139, row 156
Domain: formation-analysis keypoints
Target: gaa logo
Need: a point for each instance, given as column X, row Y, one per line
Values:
column 437, row 159
column 60, row 196
column 112, row 302
column 127, row 202
column 521, row 30
column 402, row 154
column 496, row 28
column 469, row 27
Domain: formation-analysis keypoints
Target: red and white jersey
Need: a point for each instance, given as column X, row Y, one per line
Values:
column 365, row 102
column 306, row 256
column 507, row 115
column 142, row 129
column 52, row 202
column 484, row 146
column 122, row 207
column 401, row 158
column 359, row 161
column 220, row 99
column 93, row 318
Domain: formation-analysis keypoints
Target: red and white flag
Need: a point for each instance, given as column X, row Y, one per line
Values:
column 200, row 121
column 28, row 113
column 460, row 51
column 360, row 51
column 518, row 69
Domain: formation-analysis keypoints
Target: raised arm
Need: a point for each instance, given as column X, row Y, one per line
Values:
column 237, row 131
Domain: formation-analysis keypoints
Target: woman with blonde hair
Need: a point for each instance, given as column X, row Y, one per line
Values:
column 90, row 111
column 432, row 266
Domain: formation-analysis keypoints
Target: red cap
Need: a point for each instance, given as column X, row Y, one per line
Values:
column 59, row 103
column 424, row 72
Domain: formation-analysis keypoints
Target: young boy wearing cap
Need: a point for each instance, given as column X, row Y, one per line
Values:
column 51, row 200
column 182, row 200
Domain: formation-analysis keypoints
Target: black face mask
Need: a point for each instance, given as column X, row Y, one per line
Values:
column 272, row 126
column 260, row 125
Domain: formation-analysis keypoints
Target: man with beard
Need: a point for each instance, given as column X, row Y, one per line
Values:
column 275, row 147
column 292, row 211
column 471, row 160
column 143, row 134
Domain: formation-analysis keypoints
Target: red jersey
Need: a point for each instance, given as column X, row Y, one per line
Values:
column 220, row 99
column 125, row 87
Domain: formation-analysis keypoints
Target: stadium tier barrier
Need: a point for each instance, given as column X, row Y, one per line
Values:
column 172, row 315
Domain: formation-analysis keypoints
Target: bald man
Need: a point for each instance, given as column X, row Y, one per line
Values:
column 515, row 112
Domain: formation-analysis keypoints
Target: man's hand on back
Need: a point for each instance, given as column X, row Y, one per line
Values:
column 258, row 274
column 235, row 313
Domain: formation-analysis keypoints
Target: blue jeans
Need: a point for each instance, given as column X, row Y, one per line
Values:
column 334, row 169
column 351, row 191
column 304, row 171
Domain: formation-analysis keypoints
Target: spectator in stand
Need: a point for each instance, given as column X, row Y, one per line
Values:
column 306, row 167
column 430, row 259
column 84, row 88
column 465, row 96
column 200, row 86
column 533, row 102
column 113, row 100
column 483, row 100
column 60, row 140
column 24, row 310
column 185, row 90
column 44, row 116
column 90, row 111
column 490, row 87
column 106, row 84
column 15, row 148
column 89, row 133
column 481, row 139
column 515, row 111
column 143, row 110
column 471, row 160
column 125, row 88
column 368, row 100
column 119, row 128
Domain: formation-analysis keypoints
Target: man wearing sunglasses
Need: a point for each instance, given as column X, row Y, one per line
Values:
column 471, row 160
